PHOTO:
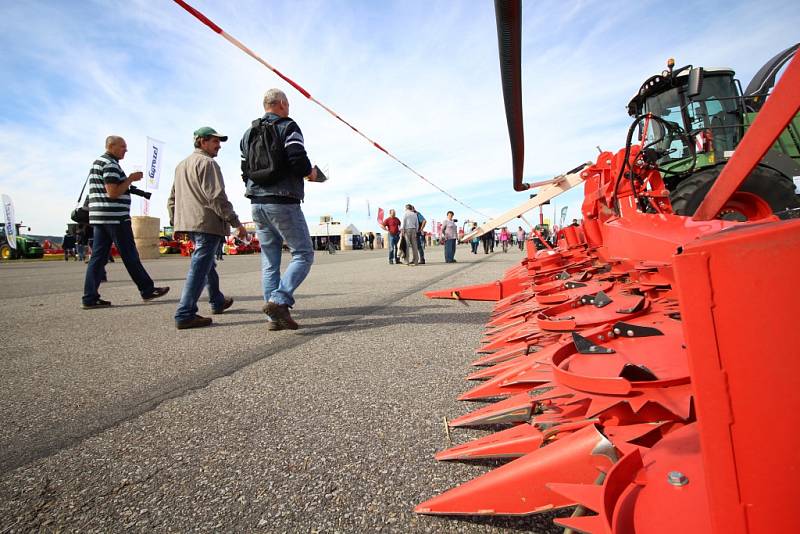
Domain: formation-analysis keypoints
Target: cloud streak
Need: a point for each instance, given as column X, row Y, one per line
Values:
column 419, row 77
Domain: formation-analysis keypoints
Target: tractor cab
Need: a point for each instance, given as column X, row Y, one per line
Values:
column 702, row 117
column 690, row 121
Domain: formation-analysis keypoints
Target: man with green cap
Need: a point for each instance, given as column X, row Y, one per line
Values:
column 198, row 205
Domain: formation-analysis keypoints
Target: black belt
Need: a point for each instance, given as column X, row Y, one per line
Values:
column 273, row 199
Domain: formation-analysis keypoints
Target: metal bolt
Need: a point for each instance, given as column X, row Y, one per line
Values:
column 676, row 478
column 601, row 337
column 617, row 331
column 630, row 333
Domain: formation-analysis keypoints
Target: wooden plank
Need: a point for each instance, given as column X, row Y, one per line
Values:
column 560, row 184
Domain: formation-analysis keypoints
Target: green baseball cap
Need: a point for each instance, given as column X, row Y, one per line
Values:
column 208, row 131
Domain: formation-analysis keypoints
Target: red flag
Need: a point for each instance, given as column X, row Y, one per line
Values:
column 380, row 215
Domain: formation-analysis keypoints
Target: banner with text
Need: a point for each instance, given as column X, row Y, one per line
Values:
column 155, row 152
column 11, row 228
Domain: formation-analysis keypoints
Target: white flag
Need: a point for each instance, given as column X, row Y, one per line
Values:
column 153, row 159
column 11, row 228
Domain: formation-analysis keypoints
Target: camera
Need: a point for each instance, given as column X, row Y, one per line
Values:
column 455, row 220
column 133, row 190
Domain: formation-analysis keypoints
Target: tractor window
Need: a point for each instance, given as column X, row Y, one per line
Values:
column 716, row 110
column 666, row 105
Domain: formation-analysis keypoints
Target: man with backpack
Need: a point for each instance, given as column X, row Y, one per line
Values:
column 274, row 164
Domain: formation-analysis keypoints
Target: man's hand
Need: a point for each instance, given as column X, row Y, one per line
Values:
column 312, row 176
column 135, row 176
column 241, row 232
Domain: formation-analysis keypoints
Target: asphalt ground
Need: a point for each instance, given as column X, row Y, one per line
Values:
column 113, row 420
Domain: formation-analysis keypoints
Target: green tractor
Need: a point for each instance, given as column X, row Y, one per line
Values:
column 692, row 120
column 27, row 247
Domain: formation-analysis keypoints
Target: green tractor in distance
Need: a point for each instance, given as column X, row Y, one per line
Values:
column 27, row 247
column 697, row 119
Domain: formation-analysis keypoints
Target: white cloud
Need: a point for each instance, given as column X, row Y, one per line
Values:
column 420, row 78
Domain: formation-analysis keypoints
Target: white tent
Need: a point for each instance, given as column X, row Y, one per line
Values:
column 322, row 229
column 332, row 229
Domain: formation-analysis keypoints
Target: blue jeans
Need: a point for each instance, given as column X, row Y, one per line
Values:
column 122, row 235
column 202, row 272
column 449, row 250
column 421, row 246
column 276, row 224
column 393, row 241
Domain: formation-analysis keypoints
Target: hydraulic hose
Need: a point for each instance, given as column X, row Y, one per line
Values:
column 509, row 43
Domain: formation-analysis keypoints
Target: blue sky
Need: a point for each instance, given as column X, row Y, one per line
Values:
column 419, row 77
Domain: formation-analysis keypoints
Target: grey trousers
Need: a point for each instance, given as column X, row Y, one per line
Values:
column 412, row 244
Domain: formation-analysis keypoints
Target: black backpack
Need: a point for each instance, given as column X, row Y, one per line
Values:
column 266, row 157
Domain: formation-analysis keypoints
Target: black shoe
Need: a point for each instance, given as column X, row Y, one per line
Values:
column 99, row 303
column 194, row 322
column 281, row 319
column 225, row 305
column 157, row 292
column 422, row 262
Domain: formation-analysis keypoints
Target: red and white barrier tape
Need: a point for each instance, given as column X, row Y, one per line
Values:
column 205, row 20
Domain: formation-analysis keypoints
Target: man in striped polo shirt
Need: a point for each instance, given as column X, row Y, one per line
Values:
column 109, row 215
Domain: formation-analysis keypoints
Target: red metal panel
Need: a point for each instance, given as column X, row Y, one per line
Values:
column 739, row 294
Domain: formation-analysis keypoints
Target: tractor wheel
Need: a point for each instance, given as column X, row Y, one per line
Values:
column 6, row 252
column 763, row 193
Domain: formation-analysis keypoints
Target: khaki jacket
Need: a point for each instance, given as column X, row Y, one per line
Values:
column 198, row 202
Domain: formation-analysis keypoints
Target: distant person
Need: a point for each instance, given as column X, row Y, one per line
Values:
column 220, row 251
column 80, row 244
column 392, row 226
column 410, row 231
column 450, row 233
column 371, row 241
column 488, row 241
column 476, row 239
column 574, row 222
column 109, row 214
column 521, row 238
column 421, row 222
column 504, row 237
column 276, row 210
column 199, row 206
column 68, row 244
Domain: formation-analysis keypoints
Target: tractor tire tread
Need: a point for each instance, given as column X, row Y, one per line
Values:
column 767, row 183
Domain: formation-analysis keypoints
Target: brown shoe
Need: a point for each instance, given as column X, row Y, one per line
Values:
column 272, row 326
column 227, row 303
column 279, row 313
column 194, row 322
column 157, row 292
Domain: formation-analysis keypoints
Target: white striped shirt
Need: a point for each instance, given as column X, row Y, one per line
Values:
column 102, row 208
